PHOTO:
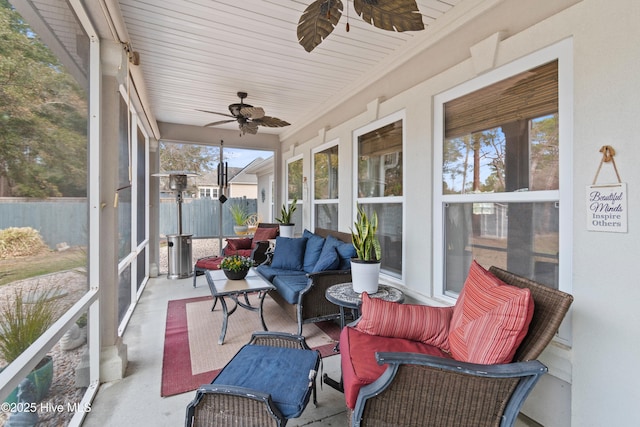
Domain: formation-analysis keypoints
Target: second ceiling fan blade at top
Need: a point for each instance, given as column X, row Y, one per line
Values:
column 220, row 122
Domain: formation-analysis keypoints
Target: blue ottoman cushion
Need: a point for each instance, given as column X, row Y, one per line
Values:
column 284, row 373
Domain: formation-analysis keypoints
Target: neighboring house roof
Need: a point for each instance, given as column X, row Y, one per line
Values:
column 211, row 179
column 245, row 176
column 236, row 175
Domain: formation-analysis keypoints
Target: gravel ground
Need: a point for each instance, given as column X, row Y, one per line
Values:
column 199, row 248
column 73, row 285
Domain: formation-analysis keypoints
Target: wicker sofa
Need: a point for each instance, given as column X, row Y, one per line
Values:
column 302, row 279
column 434, row 376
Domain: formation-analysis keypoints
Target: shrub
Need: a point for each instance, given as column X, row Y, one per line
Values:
column 23, row 321
column 20, row 241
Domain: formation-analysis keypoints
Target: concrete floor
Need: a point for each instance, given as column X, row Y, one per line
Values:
column 135, row 400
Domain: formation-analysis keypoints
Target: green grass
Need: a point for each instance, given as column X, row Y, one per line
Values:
column 21, row 268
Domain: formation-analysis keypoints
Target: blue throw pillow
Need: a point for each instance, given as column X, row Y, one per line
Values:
column 289, row 253
column 329, row 259
column 312, row 251
column 346, row 251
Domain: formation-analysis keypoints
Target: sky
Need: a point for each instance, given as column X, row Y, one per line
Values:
column 238, row 157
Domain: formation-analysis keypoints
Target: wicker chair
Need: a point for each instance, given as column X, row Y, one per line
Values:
column 420, row 390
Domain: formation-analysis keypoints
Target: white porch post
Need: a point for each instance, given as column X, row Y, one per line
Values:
column 113, row 354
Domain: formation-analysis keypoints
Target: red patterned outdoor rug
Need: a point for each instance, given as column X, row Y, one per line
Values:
column 192, row 356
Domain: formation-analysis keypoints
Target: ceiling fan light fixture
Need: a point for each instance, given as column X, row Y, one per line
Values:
column 247, row 116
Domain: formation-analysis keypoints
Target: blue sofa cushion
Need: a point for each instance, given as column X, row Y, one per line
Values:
column 281, row 372
column 289, row 253
column 346, row 251
column 268, row 272
column 312, row 251
column 289, row 287
column 328, row 260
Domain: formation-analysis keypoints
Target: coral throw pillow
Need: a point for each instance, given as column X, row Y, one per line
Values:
column 490, row 319
column 423, row 323
column 236, row 244
column 264, row 233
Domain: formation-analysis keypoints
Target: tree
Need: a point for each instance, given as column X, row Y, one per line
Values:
column 187, row 157
column 43, row 125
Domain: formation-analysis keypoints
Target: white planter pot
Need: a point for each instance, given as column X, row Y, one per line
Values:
column 286, row 230
column 240, row 229
column 365, row 276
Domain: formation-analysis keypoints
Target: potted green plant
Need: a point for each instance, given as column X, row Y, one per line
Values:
column 286, row 214
column 22, row 322
column 240, row 215
column 365, row 269
column 236, row 267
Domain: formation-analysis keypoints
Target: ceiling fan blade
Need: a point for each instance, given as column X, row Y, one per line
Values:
column 214, row 112
column 318, row 21
column 252, row 112
column 249, row 127
column 271, row 122
column 397, row 15
column 221, row 122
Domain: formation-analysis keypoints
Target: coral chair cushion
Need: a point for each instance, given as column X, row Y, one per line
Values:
column 264, row 233
column 423, row 323
column 242, row 252
column 209, row 263
column 243, row 243
column 490, row 319
column 359, row 366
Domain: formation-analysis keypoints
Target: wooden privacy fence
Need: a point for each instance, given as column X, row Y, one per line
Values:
column 63, row 220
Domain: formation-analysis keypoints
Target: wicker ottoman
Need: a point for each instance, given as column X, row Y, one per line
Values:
column 268, row 381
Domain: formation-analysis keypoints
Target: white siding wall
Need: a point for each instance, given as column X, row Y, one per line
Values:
column 594, row 383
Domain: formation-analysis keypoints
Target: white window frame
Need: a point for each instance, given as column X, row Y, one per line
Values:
column 314, row 202
column 391, row 118
column 563, row 53
column 288, row 198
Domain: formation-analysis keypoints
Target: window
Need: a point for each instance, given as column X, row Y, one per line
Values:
column 325, row 187
column 380, row 185
column 208, row 192
column 501, row 194
column 295, row 185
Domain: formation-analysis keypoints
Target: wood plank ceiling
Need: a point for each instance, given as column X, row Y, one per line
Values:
column 197, row 54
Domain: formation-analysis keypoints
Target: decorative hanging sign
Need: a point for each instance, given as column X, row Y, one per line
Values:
column 607, row 203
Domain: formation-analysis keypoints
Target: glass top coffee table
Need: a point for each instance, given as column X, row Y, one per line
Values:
column 221, row 288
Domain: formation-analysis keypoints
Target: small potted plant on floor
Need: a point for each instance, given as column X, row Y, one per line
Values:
column 286, row 214
column 236, row 267
column 23, row 321
column 240, row 215
column 365, row 269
